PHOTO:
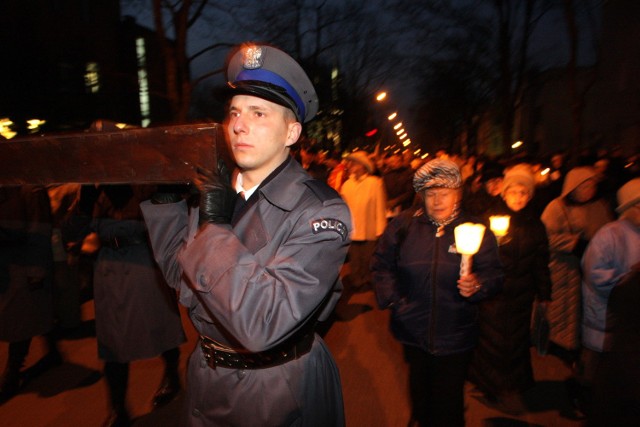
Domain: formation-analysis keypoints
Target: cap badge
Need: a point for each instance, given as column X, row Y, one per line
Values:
column 253, row 58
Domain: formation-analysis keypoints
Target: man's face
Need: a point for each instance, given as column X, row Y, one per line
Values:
column 260, row 133
column 441, row 202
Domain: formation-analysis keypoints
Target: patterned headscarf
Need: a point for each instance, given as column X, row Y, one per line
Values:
column 437, row 173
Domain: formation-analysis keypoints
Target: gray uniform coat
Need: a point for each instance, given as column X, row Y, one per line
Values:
column 253, row 285
column 137, row 315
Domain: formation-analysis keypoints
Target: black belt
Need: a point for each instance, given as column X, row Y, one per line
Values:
column 122, row 242
column 217, row 354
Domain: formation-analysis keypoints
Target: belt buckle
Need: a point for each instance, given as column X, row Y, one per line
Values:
column 208, row 357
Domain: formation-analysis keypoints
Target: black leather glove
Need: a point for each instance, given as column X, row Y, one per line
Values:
column 217, row 198
column 168, row 193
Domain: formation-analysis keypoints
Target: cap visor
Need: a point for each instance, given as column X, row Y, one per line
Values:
column 270, row 93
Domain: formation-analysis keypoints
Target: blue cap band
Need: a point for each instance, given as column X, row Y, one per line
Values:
column 270, row 77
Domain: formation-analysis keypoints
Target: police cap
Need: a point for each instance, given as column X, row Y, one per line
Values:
column 271, row 74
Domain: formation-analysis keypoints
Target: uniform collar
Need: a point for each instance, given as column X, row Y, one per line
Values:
column 285, row 185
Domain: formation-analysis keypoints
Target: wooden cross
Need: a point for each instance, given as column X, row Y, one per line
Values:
column 150, row 155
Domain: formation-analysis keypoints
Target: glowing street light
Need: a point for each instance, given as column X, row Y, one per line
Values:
column 381, row 96
column 516, row 144
column 392, row 116
column 398, row 125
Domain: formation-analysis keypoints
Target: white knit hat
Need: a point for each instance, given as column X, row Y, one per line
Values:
column 519, row 174
column 628, row 195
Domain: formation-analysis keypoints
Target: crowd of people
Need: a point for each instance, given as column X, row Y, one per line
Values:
column 288, row 220
column 550, row 270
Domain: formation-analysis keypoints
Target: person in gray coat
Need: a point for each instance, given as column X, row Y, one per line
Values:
column 257, row 278
column 136, row 313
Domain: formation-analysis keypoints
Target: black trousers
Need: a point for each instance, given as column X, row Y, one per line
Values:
column 436, row 385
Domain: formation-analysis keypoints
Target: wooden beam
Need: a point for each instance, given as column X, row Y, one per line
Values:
column 150, row 155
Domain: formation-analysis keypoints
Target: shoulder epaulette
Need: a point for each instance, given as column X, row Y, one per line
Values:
column 322, row 190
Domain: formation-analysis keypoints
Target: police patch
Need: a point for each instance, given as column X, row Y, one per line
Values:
column 329, row 224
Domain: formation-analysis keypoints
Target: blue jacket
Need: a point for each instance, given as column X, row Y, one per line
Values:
column 610, row 254
column 416, row 277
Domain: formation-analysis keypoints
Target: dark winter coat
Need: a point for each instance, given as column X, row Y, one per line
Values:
column 26, row 263
column 616, row 387
column 502, row 360
column 416, row 277
column 137, row 314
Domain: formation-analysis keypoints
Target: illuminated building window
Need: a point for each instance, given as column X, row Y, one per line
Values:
column 92, row 77
column 143, row 82
column 6, row 126
column 34, row 125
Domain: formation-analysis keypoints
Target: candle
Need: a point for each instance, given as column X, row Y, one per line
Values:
column 468, row 238
column 499, row 224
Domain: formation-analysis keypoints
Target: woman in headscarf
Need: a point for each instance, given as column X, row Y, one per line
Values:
column 416, row 274
column 501, row 366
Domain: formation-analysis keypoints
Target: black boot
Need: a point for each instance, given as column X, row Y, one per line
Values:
column 11, row 382
column 52, row 359
column 117, row 377
column 170, row 385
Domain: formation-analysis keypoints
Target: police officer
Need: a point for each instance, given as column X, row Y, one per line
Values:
column 257, row 278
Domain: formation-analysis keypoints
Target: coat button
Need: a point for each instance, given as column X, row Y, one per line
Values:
column 241, row 373
column 195, row 412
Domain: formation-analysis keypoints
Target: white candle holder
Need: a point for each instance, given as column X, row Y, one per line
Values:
column 468, row 238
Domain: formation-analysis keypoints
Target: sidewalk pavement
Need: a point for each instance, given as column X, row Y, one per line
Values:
column 374, row 379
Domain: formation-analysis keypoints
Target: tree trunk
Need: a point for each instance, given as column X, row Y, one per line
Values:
column 572, row 84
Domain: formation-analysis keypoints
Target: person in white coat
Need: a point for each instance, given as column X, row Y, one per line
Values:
column 365, row 195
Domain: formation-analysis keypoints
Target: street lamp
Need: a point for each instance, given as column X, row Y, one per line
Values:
column 401, row 133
